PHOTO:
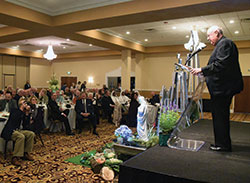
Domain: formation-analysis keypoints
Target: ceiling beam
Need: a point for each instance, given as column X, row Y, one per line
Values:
column 149, row 50
column 22, row 17
column 123, row 14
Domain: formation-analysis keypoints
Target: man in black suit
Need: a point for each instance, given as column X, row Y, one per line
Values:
column 58, row 114
column 155, row 98
column 85, row 110
column 224, row 80
column 27, row 85
column 107, row 105
column 24, row 139
column 8, row 103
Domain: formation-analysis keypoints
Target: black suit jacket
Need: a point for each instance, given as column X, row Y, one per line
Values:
column 223, row 74
column 80, row 107
column 17, row 117
column 12, row 104
column 54, row 110
column 106, row 101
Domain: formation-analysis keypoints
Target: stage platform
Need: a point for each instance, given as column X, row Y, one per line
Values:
column 162, row 164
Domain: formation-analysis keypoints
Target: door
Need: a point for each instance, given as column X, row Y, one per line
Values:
column 9, row 79
column 68, row 80
column 242, row 100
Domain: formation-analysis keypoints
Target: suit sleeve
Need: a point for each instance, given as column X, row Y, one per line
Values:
column 222, row 59
column 77, row 107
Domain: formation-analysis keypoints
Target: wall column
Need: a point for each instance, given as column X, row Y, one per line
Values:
column 139, row 57
column 126, row 69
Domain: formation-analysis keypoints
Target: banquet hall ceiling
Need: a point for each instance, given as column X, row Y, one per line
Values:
column 91, row 25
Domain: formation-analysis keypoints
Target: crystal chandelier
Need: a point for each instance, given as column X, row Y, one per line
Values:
column 50, row 55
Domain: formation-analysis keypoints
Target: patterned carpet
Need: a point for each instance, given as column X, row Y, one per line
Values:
column 49, row 164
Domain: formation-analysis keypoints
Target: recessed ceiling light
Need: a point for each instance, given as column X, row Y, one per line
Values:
column 231, row 21
column 64, row 47
column 67, row 39
column 145, row 40
column 187, row 36
column 174, row 27
column 90, row 45
column 237, row 32
column 127, row 32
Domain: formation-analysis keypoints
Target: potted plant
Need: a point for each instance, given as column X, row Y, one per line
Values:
column 168, row 120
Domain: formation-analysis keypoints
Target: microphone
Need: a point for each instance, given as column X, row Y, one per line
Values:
column 194, row 53
column 199, row 49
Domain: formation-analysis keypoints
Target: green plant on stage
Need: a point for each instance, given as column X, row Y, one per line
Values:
column 168, row 119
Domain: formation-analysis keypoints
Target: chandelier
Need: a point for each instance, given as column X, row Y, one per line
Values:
column 50, row 55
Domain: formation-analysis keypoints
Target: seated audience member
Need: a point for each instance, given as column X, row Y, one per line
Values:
column 76, row 96
column 24, row 139
column 34, row 90
column 107, row 105
column 18, row 95
column 133, row 110
column 8, row 104
column 64, row 86
column 9, row 89
column 59, row 96
column 36, row 119
column 67, row 93
column 49, row 93
column 1, row 95
column 85, row 110
column 59, row 114
column 73, row 86
column 27, row 85
column 154, row 99
column 43, row 98
column 127, row 93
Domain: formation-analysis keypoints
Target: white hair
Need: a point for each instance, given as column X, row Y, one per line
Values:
column 215, row 28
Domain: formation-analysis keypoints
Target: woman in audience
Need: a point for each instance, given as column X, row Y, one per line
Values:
column 117, row 113
column 133, row 109
column 43, row 98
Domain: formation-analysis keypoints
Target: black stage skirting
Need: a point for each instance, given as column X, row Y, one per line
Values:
column 163, row 164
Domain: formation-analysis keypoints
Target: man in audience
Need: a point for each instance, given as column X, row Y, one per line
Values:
column 58, row 114
column 8, row 104
column 133, row 110
column 18, row 95
column 67, row 93
column 24, row 139
column 107, row 105
column 27, row 85
column 155, row 98
column 83, row 86
column 85, row 110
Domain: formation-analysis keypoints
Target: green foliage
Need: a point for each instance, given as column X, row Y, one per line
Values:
column 53, row 83
column 168, row 121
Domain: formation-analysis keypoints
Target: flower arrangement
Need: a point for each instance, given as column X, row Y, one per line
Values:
column 124, row 132
column 103, row 161
column 168, row 118
column 53, row 83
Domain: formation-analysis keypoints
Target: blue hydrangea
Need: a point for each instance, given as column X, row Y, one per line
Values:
column 123, row 131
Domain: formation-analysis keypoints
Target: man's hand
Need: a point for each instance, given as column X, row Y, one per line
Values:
column 85, row 114
column 195, row 71
column 63, row 114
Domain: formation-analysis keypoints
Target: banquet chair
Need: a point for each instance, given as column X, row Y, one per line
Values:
column 54, row 122
column 6, row 147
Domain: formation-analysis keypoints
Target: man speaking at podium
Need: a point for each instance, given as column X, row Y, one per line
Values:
column 224, row 80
